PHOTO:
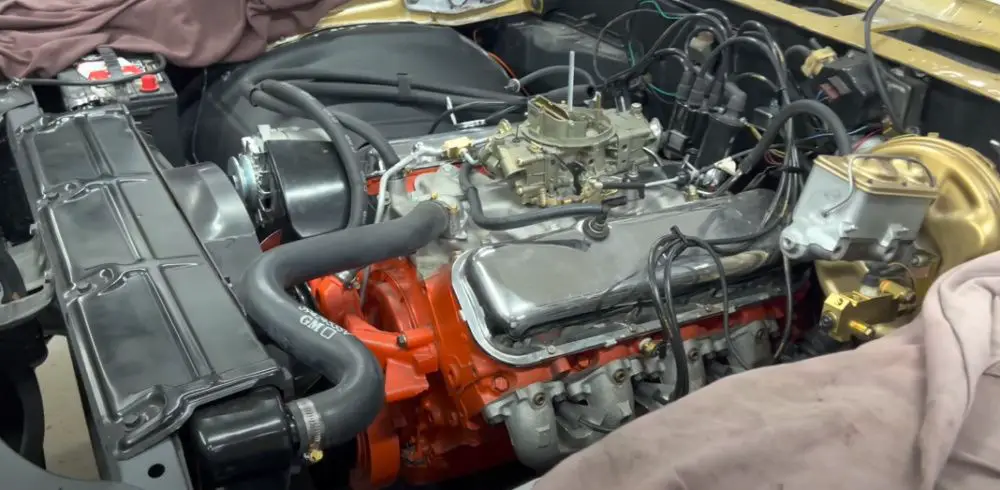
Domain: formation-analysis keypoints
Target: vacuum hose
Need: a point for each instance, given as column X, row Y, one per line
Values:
column 517, row 220
column 336, row 415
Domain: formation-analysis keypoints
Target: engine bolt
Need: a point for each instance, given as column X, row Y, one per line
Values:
column 620, row 376
column 131, row 420
column 500, row 384
column 918, row 260
column 551, row 349
column 693, row 355
column 401, row 341
column 538, row 399
column 826, row 322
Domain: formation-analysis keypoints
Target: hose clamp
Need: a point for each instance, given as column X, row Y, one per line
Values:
column 313, row 424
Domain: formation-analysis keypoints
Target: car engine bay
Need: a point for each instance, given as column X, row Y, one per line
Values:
column 451, row 254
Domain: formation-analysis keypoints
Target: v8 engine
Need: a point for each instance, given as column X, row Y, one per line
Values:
column 531, row 327
column 523, row 327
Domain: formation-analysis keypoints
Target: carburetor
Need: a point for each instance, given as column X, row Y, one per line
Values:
column 560, row 153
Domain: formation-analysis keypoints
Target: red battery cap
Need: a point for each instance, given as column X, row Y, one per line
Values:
column 99, row 75
column 149, row 83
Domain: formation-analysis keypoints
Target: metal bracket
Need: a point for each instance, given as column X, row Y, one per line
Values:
column 21, row 310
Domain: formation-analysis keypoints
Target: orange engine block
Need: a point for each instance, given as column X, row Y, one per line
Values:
column 437, row 380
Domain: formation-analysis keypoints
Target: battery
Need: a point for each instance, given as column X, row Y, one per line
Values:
column 145, row 94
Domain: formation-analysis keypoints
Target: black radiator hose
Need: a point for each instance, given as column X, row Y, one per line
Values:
column 336, row 415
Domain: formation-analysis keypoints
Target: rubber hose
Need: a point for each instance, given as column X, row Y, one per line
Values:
column 422, row 98
column 580, row 92
column 552, row 70
column 517, row 220
column 417, row 97
column 326, row 76
column 799, row 107
column 363, row 128
column 337, row 415
column 369, row 133
column 624, row 185
column 798, row 49
column 335, row 130
column 387, row 93
column 502, row 113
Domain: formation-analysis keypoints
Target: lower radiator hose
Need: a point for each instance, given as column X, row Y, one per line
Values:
column 336, row 415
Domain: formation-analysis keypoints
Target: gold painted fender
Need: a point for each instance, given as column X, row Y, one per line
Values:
column 358, row 12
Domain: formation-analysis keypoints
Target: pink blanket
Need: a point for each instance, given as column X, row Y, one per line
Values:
column 46, row 36
column 917, row 410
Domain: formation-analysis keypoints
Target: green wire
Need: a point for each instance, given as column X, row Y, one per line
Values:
column 631, row 53
column 660, row 91
column 654, row 88
column 659, row 9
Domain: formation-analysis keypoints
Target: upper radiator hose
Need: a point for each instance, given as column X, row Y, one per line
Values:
column 336, row 415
